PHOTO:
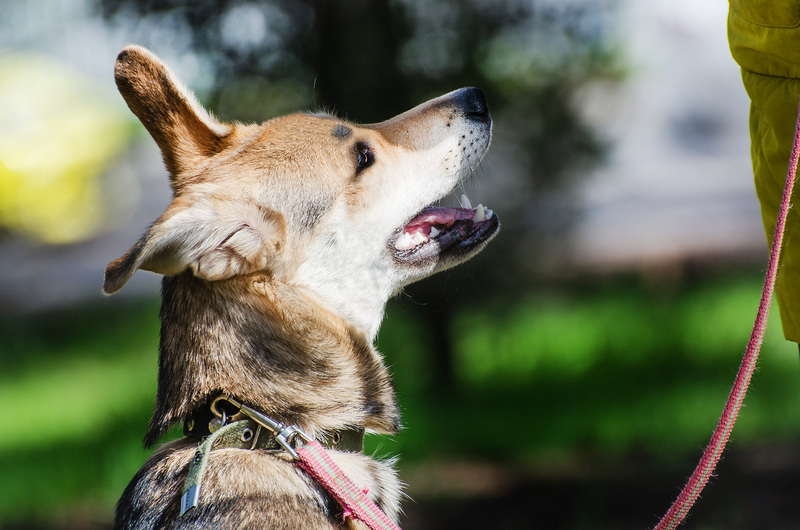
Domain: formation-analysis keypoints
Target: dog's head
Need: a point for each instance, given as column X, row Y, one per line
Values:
column 341, row 210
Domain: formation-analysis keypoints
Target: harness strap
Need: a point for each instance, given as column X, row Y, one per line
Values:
column 197, row 467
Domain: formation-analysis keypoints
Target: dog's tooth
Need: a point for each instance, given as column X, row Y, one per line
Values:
column 480, row 214
column 418, row 238
column 403, row 242
column 465, row 202
column 434, row 231
column 488, row 212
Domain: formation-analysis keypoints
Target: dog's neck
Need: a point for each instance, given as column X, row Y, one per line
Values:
column 273, row 347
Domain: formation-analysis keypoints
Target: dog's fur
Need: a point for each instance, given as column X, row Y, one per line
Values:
column 279, row 253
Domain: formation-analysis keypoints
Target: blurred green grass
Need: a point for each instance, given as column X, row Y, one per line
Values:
column 614, row 367
column 611, row 368
column 78, row 386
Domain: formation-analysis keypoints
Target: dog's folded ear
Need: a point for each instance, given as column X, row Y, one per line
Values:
column 216, row 239
column 181, row 127
column 216, row 236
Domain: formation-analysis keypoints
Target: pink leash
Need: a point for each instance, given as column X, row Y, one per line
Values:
column 316, row 461
column 708, row 462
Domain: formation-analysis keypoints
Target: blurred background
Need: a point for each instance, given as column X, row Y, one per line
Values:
column 568, row 377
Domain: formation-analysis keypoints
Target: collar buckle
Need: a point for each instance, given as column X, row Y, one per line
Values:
column 289, row 437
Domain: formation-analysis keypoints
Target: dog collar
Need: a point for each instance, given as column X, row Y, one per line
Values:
column 251, row 435
column 247, row 434
column 247, row 429
column 307, row 453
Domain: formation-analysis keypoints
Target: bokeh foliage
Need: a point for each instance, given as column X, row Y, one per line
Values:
column 54, row 145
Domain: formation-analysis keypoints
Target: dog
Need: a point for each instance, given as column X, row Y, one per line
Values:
column 279, row 251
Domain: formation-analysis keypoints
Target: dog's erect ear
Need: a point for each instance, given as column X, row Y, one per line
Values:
column 217, row 239
column 181, row 127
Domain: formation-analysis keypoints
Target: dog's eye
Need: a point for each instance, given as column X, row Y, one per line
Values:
column 364, row 157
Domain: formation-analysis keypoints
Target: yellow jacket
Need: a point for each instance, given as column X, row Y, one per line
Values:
column 764, row 37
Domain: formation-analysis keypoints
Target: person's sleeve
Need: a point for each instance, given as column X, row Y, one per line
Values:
column 764, row 37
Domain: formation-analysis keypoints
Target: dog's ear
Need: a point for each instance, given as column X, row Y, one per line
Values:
column 217, row 239
column 181, row 127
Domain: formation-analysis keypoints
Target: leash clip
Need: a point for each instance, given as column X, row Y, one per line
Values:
column 286, row 436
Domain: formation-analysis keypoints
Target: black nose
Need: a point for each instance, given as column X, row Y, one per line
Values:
column 473, row 102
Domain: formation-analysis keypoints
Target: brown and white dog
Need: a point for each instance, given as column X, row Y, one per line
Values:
column 279, row 251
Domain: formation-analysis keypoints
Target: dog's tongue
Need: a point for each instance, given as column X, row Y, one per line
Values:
column 436, row 215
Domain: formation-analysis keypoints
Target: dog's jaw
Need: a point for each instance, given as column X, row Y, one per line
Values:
column 445, row 236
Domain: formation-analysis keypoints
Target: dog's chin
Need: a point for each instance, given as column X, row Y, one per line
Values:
column 439, row 238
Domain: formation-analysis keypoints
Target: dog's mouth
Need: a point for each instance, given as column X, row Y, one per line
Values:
column 437, row 231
